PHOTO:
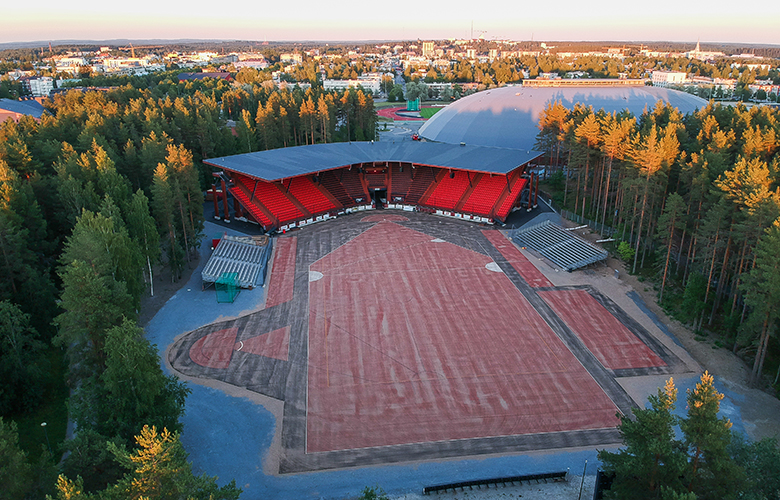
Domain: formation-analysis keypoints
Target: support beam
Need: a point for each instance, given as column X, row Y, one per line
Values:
column 224, row 200
column 216, row 201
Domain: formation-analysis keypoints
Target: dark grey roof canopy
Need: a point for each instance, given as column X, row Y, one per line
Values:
column 284, row 163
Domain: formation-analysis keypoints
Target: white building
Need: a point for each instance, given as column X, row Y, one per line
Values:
column 668, row 78
column 291, row 58
column 70, row 64
column 41, row 86
column 374, row 84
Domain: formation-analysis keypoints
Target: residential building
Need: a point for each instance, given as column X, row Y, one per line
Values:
column 668, row 78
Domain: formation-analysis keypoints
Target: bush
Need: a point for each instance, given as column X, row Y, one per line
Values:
column 625, row 251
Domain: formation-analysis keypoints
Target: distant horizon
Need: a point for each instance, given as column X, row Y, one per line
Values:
column 174, row 41
column 353, row 20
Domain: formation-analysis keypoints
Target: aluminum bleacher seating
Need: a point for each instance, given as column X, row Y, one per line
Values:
column 562, row 247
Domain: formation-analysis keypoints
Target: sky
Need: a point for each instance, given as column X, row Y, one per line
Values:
column 341, row 20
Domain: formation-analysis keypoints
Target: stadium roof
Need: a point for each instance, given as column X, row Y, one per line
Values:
column 507, row 117
column 284, row 163
column 29, row 107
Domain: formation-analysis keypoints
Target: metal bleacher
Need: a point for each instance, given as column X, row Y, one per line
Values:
column 563, row 248
column 243, row 255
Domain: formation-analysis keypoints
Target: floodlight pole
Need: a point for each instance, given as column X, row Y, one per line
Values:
column 43, row 424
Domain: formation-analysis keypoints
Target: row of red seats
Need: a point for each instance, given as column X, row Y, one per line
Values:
column 517, row 187
column 310, row 197
column 449, row 190
column 485, row 194
column 277, row 202
column 240, row 193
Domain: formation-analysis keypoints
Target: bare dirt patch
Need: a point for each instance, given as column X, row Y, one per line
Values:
column 164, row 289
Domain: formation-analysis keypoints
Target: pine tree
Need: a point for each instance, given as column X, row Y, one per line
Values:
column 653, row 460
column 762, row 294
column 711, row 473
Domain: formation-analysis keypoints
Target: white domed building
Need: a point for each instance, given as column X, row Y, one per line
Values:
column 508, row 117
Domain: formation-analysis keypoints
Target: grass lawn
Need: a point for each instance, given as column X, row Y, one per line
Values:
column 429, row 112
column 51, row 410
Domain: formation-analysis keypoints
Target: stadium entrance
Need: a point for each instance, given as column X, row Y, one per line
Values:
column 379, row 196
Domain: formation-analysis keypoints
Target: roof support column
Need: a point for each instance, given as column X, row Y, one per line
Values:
column 215, row 200
column 224, row 200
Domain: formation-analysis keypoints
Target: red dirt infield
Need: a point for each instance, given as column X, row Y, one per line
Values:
column 215, row 349
column 527, row 270
column 607, row 338
column 391, row 113
column 280, row 286
column 412, row 339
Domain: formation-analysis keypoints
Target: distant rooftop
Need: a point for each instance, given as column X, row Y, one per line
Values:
column 284, row 163
column 29, row 107
column 224, row 75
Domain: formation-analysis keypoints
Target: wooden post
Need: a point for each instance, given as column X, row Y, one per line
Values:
column 224, row 200
column 536, row 192
column 237, row 208
column 216, row 201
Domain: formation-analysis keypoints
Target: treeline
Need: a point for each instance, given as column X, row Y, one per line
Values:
column 96, row 196
column 694, row 197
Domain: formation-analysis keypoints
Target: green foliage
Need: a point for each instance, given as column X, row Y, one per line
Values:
column 652, row 460
column 761, row 462
column 654, row 464
column 693, row 297
column 625, row 251
column 711, row 472
column 90, row 460
column 21, row 361
column 15, row 472
column 373, row 493
column 157, row 469
column 132, row 390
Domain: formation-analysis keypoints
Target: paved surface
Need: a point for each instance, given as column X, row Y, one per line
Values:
column 230, row 435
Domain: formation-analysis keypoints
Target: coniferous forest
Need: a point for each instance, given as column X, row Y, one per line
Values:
column 693, row 203
column 97, row 197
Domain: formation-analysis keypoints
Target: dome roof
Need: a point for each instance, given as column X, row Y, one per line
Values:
column 507, row 117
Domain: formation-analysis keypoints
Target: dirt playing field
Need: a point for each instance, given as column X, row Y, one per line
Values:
column 394, row 336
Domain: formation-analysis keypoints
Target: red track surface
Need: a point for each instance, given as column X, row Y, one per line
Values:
column 412, row 340
column 280, row 286
column 390, row 113
column 275, row 344
column 215, row 349
column 528, row 271
column 607, row 338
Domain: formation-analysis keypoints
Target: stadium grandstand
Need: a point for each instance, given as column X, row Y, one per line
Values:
column 291, row 187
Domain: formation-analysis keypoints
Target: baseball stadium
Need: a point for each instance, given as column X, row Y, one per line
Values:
column 414, row 313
